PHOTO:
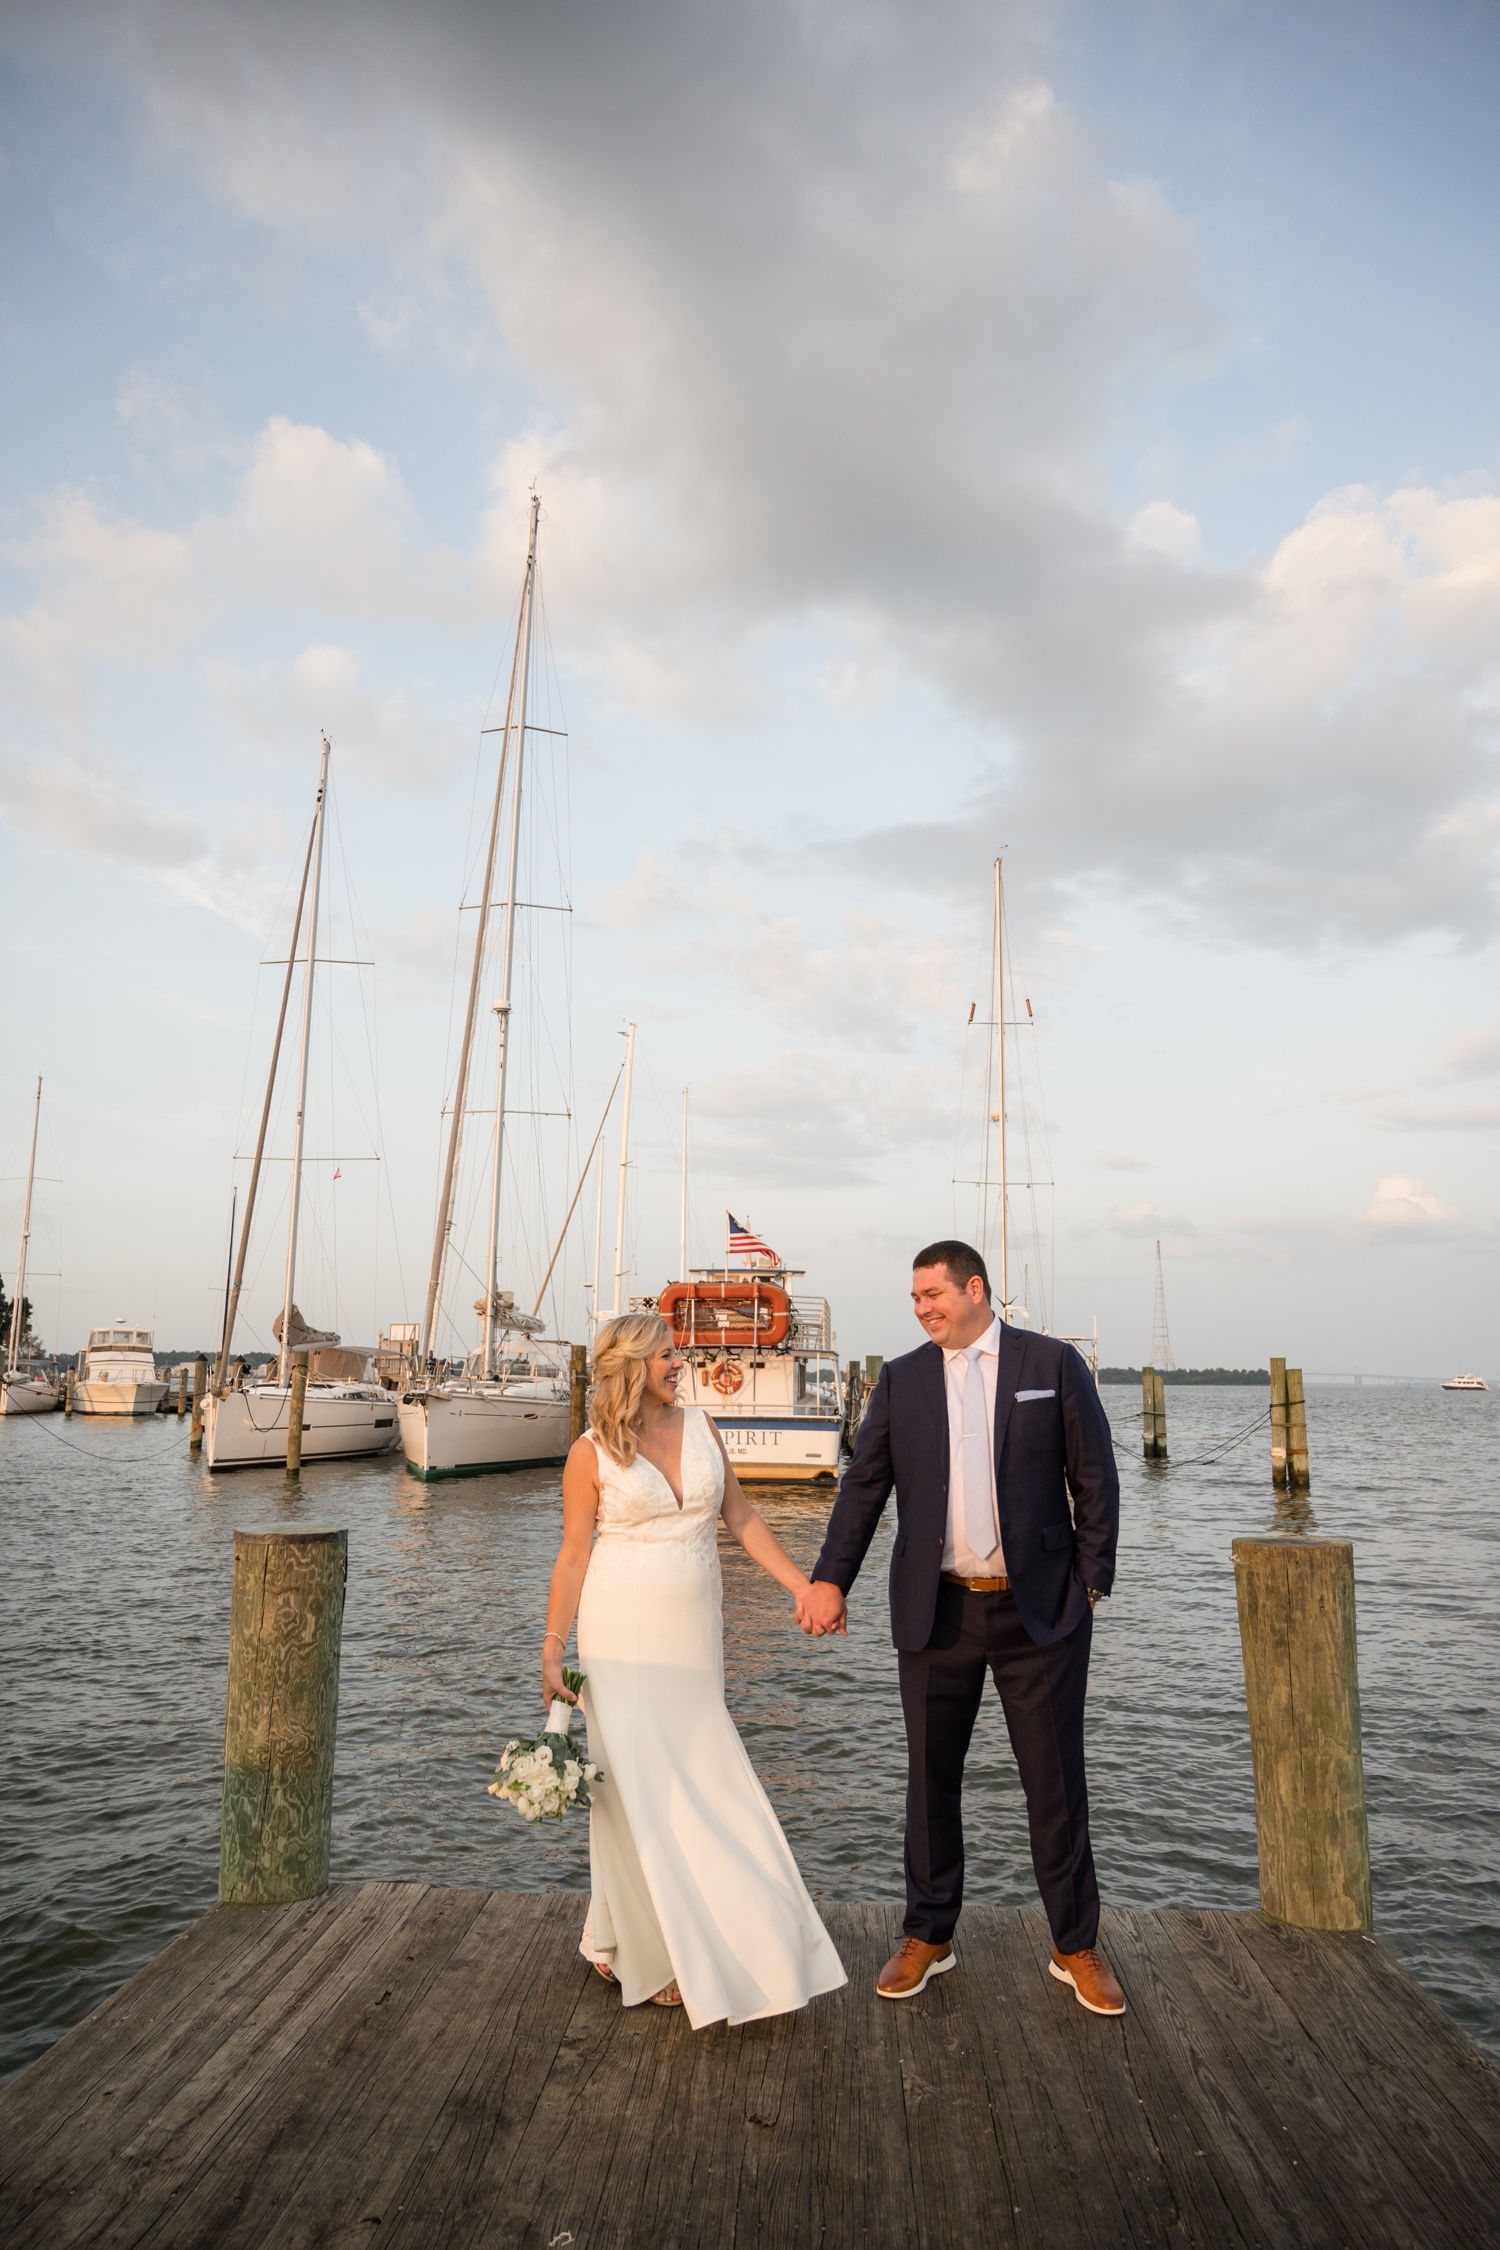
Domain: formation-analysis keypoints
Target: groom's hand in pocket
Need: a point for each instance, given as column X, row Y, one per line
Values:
column 822, row 1609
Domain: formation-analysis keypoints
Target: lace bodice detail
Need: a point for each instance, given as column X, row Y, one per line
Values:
column 638, row 1503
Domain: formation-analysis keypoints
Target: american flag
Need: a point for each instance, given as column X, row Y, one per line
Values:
column 744, row 1244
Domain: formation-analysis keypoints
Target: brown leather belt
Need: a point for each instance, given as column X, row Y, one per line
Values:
column 978, row 1585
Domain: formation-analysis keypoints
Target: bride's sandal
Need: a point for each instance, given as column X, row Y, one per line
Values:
column 603, row 1969
column 668, row 1997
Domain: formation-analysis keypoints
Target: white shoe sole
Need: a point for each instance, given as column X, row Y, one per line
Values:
column 948, row 1960
column 1065, row 1976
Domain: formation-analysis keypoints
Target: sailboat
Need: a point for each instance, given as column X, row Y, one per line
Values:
column 246, row 1423
column 509, row 1407
column 996, row 1217
column 26, row 1387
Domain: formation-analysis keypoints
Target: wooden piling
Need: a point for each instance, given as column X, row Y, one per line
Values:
column 285, row 1626
column 874, row 1361
column 1278, row 1424
column 1297, row 1472
column 1297, row 1636
column 296, row 1407
column 200, row 1384
column 1153, row 1414
column 68, row 1391
column 578, row 1392
column 182, row 1390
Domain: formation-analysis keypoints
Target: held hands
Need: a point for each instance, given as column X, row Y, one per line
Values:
column 822, row 1609
column 553, row 1650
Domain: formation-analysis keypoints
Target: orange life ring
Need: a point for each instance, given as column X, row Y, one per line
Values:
column 727, row 1379
column 733, row 1314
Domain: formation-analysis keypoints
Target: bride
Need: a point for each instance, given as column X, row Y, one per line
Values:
column 697, row 1901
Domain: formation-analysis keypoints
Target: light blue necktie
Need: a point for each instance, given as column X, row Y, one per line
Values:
column 979, row 1521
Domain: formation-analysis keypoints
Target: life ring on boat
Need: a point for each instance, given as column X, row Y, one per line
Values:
column 727, row 1379
column 735, row 1314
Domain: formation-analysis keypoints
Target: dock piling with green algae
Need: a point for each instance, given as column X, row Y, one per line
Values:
column 281, row 1716
column 1297, row 1636
column 296, row 1409
column 200, row 1385
column 578, row 1392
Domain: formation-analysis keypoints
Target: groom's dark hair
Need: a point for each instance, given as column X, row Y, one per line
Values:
column 962, row 1262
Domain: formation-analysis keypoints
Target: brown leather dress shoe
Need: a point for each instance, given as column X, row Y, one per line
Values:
column 1091, row 1978
column 910, row 1967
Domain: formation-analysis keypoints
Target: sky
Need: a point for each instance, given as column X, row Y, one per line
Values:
column 1057, row 432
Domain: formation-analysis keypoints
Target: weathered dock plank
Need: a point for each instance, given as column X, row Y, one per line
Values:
column 416, row 2067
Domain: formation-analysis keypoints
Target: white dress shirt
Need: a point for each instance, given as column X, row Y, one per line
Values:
column 957, row 1554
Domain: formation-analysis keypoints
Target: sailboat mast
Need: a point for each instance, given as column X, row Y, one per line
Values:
column 233, row 1305
column 18, row 1302
column 682, row 1272
column 284, row 1367
column 1000, row 1113
column 502, row 1006
column 471, row 1017
column 624, row 1161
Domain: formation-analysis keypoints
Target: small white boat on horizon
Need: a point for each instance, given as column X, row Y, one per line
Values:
column 1466, row 1383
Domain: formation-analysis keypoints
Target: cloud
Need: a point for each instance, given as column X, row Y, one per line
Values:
column 1141, row 1222
column 1161, row 529
column 381, row 732
column 827, row 314
column 1475, row 1054
column 1463, row 1117
column 228, row 859
column 1402, row 1202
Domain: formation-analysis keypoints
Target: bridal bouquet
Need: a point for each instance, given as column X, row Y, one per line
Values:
column 544, row 1777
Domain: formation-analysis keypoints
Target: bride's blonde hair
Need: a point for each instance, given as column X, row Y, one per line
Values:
column 621, row 1350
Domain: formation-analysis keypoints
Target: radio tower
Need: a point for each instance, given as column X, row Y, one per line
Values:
column 1161, row 1342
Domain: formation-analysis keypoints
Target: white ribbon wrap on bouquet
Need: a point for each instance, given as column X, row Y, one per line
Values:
column 559, row 1718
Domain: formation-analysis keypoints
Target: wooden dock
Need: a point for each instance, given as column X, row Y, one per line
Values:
column 396, row 2065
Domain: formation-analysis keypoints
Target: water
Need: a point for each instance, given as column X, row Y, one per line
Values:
column 115, row 1560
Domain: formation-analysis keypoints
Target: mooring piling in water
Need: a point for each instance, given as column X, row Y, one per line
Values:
column 68, row 1392
column 1297, row 1472
column 1153, row 1414
column 285, row 1629
column 1297, row 1637
column 182, row 1390
column 578, row 1392
column 1278, row 1424
column 874, row 1361
column 296, row 1408
column 200, row 1385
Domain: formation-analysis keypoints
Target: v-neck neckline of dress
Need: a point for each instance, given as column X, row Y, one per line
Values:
column 661, row 1472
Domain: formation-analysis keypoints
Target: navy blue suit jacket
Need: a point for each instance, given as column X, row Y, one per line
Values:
column 1045, row 1448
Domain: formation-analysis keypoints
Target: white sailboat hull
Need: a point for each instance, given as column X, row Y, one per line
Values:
column 118, row 1398
column 27, row 1394
column 463, row 1432
column 248, row 1429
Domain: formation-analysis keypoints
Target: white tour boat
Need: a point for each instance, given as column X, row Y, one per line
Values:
column 763, row 1363
column 118, row 1374
column 509, row 1407
column 1466, row 1383
column 346, row 1411
column 25, row 1386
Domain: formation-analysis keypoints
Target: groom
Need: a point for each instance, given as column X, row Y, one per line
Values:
column 984, row 1431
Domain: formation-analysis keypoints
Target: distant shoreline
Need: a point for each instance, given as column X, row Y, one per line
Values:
column 1245, row 1376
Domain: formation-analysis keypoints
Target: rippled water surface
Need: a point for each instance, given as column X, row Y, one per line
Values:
column 116, row 1571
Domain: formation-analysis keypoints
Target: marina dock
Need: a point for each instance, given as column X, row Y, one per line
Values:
column 394, row 2064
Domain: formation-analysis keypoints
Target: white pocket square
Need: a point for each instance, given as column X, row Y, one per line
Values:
column 1023, row 1396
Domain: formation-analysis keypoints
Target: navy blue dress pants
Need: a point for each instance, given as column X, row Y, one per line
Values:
column 1042, row 1693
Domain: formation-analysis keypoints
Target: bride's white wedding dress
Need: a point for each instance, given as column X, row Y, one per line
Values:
column 692, row 1878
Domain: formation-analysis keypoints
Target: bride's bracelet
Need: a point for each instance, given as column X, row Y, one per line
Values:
column 551, row 1636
